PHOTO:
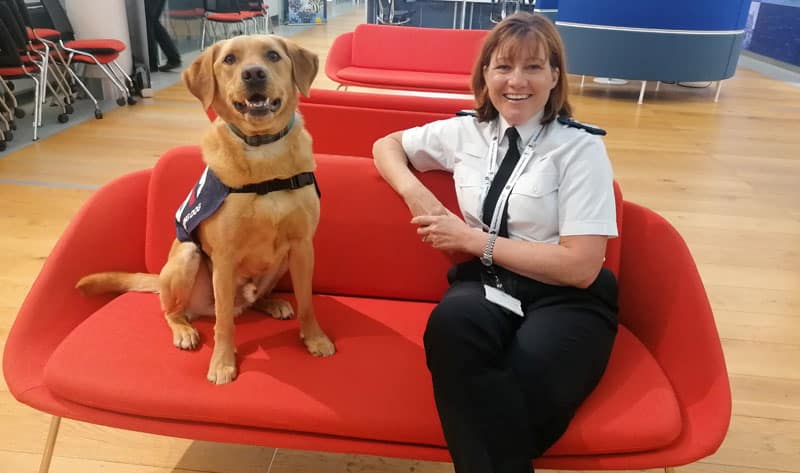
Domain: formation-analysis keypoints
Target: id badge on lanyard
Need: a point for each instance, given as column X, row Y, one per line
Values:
column 495, row 294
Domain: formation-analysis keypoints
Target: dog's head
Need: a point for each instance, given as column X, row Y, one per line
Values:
column 252, row 81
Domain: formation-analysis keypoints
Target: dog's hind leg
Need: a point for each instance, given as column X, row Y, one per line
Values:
column 277, row 308
column 177, row 280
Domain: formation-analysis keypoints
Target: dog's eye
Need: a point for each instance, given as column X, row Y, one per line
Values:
column 273, row 56
column 230, row 59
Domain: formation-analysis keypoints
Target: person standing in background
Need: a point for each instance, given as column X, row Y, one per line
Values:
column 157, row 36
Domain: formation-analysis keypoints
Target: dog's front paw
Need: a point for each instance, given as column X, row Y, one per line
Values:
column 320, row 345
column 185, row 337
column 222, row 369
column 277, row 308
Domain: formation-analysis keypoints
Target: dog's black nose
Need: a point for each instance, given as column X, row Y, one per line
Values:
column 254, row 75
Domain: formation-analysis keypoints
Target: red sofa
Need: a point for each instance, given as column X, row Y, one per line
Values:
column 664, row 400
column 406, row 58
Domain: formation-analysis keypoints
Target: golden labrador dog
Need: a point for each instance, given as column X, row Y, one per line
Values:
column 258, row 152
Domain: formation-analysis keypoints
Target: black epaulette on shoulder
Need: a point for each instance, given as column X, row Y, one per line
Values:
column 466, row 113
column 573, row 124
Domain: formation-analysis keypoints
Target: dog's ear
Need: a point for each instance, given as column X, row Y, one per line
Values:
column 305, row 65
column 199, row 77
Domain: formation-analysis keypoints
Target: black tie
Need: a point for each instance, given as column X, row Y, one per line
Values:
column 506, row 168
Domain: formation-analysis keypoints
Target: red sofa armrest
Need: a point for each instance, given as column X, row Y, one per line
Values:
column 664, row 303
column 106, row 234
column 340, row 55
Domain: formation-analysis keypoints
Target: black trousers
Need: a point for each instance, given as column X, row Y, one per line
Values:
column 506, row 387
column 157, row 35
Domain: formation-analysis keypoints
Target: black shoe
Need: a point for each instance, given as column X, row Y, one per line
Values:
column 169, row 66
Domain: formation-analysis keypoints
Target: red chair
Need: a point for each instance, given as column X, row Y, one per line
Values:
column 100, row 52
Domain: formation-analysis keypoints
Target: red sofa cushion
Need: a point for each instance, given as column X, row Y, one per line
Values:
column 376, row 386
column 405, row 78
column 416, row 49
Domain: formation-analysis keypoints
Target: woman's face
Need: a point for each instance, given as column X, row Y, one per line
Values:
column 519, row 85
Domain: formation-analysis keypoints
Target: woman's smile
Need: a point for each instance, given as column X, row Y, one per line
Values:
column 519, row 84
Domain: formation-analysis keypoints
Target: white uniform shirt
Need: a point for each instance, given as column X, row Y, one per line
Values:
column 566, row 188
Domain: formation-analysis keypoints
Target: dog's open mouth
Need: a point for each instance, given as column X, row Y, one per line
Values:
column 257, row 105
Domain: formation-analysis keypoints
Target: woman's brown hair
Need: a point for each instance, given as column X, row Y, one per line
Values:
column 517, row 31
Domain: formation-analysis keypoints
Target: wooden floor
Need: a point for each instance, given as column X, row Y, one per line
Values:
column 726, row 174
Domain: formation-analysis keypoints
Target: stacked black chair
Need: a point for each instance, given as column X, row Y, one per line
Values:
column 387, row 14
column 18, row 60
column 225, row 13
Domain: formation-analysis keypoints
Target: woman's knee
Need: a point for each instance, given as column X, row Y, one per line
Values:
column 464, row 328
column 447, row 320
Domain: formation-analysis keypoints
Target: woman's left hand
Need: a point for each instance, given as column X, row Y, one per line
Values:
column 448, row 233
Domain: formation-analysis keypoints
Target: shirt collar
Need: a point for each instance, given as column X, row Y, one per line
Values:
column 526, row 131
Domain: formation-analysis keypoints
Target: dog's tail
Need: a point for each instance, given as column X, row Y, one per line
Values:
column 101, row 283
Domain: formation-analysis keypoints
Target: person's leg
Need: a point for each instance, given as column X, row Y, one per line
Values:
column 480, row 404
column 559, row 354
column 167, row 45
column 157, row 34
column 152, row 10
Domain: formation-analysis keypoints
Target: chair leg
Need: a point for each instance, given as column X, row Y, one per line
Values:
column 203, row 36
column 47, row 455
column 86, row 91
column 641, row 93
column 669, row 469
column 37, row 106
column 719, row 88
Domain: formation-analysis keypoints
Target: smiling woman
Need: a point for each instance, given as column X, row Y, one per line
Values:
column 525, row 331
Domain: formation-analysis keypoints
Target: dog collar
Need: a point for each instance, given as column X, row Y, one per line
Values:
column 258, row 140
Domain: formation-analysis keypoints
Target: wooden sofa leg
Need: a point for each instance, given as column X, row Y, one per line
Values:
column 47, row 455
column 669, row 469
column 641, row 93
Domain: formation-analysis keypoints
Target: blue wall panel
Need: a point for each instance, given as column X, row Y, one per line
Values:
column 675, row 14
column 777, row 33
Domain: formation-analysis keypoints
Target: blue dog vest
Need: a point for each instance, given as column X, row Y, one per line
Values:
column 203, row 200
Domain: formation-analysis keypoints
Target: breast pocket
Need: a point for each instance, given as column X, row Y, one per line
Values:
column 468, row 191
column 533, row 205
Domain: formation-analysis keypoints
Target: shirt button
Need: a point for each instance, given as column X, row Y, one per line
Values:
column 508, row 186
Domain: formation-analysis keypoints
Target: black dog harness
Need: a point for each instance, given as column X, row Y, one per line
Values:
column 209, row 193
